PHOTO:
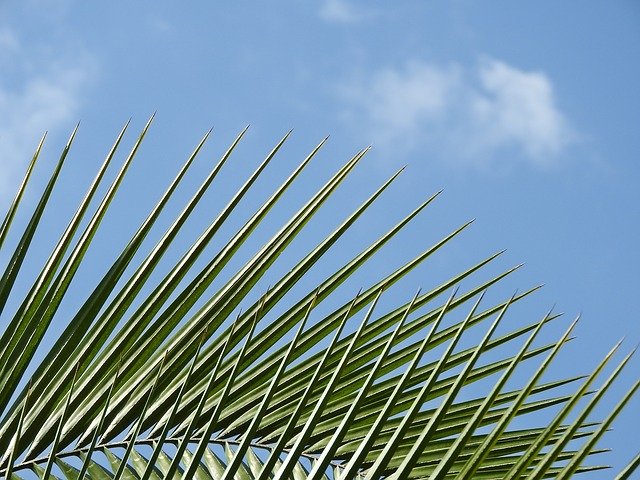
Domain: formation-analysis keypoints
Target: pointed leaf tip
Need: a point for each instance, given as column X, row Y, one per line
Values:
column 149, row 122
column 469, row 222
column 73, row 135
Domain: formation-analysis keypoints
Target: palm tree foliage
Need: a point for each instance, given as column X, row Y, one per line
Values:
column 167, row 378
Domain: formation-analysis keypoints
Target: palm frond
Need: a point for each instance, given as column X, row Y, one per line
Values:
column 157, row 376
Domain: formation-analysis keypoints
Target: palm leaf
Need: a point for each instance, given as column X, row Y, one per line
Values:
column 164, row 376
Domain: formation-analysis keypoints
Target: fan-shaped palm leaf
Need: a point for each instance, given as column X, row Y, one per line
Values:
column 158, row 378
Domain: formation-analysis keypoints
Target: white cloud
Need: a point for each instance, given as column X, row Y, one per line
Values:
column 468, row 115
column 38, row 92
column 396, row 103
column 340, row 11
column 518, row 107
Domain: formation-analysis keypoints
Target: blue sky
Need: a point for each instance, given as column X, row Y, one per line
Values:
column 527, row 115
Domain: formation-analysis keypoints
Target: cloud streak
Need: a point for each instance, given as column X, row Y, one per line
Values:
column 38, row 92
column 340, row 11
column 467, row 114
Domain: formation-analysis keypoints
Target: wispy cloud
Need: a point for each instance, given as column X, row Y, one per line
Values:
column 516, row 107
column 341, row 11
column 39, row 91
column 8, row 42
column 468, row 114
column 160, row 24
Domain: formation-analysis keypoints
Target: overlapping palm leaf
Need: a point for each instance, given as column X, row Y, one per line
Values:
column 196, row 375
